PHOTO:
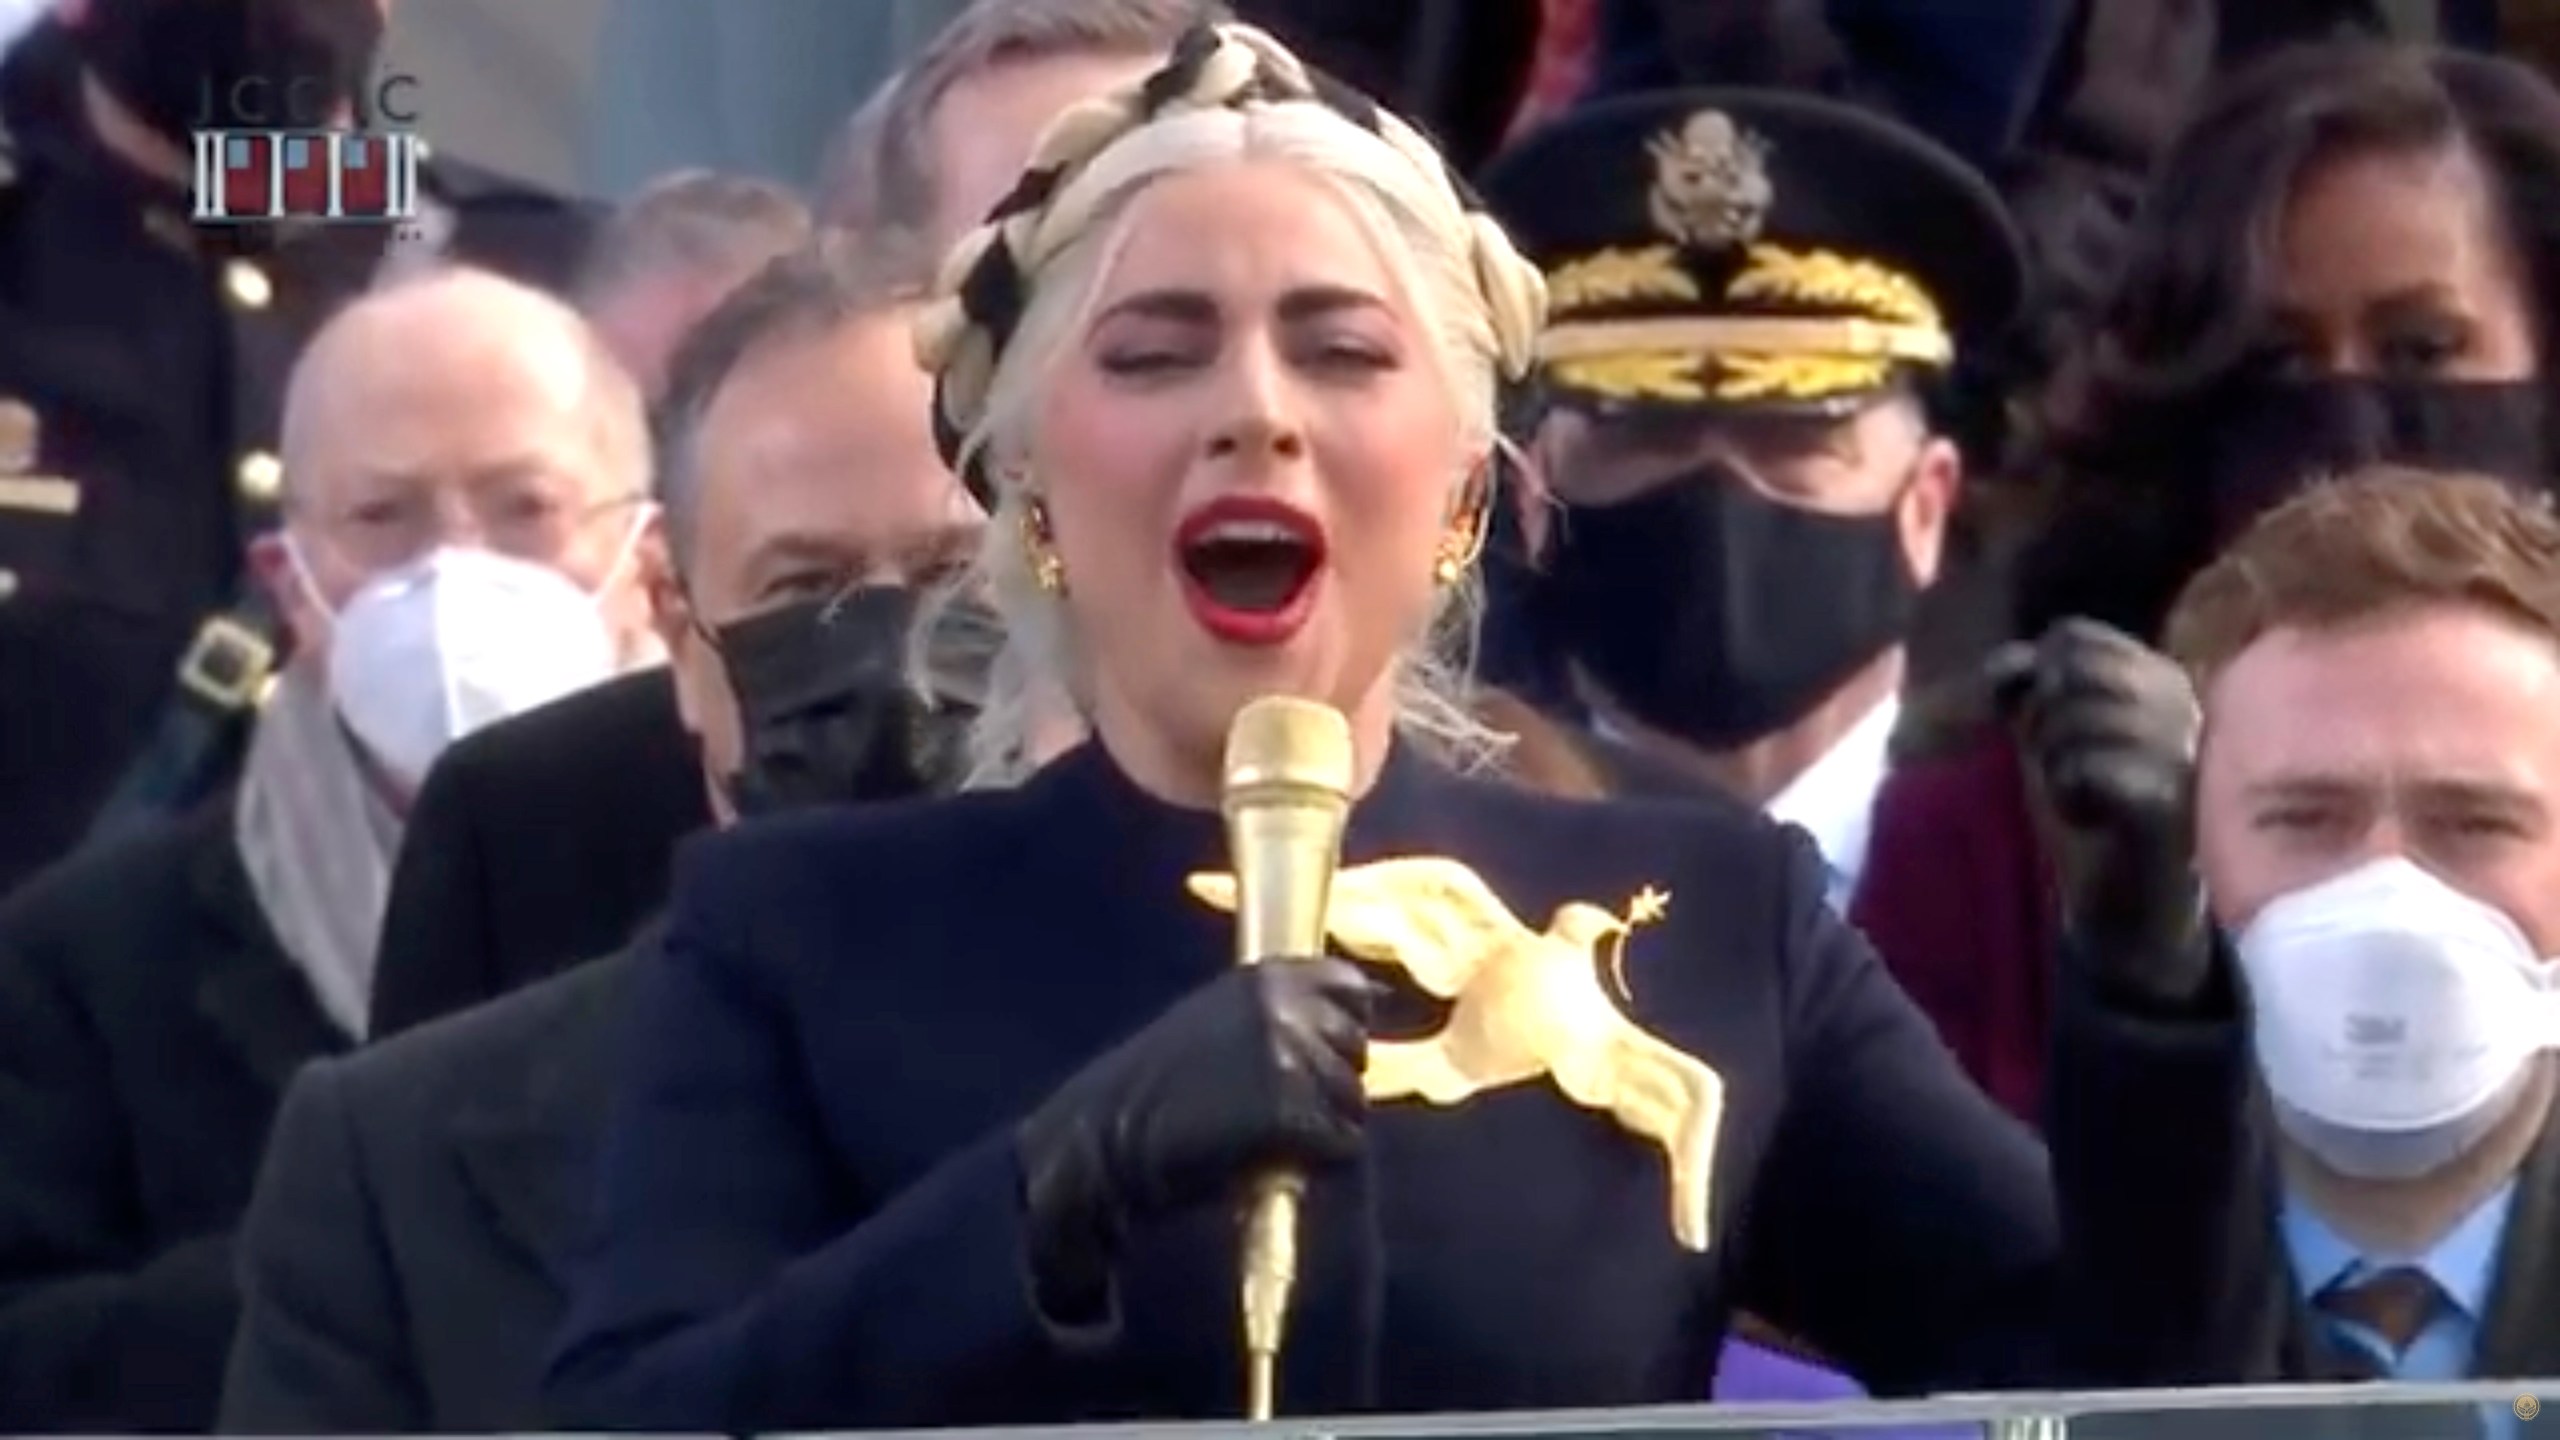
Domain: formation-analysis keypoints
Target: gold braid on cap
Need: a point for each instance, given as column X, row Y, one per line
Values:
column 985, row 285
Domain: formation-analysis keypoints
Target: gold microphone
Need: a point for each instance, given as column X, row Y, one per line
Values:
column 1287, row 788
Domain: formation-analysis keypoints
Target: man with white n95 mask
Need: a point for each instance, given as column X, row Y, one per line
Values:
column 2374, row 776
column 463, row 467
column 466, row 474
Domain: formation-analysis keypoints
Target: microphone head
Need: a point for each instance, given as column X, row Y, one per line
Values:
column 1283, row 744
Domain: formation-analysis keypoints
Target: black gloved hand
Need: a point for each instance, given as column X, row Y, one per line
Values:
column 2109, row 729
column 1258, row 1068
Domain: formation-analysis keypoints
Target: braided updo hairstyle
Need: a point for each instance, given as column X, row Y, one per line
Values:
column 1013, row 291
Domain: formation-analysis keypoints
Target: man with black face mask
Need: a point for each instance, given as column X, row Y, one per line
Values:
column 805, row 507
column 803, row 502
column 142, row 359
column 1755, row 296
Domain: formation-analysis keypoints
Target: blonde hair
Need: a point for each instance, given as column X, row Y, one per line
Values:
column 1248, row 100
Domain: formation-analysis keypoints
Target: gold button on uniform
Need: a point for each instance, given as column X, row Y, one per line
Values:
column 8, row 585
column 260, row 477
column 247, row 285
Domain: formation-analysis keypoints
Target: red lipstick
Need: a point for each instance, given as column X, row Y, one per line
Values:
column 1249, row 566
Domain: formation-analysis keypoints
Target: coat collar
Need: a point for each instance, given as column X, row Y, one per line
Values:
column 526, row 1133
column 250, row 991
column 2518, row 1336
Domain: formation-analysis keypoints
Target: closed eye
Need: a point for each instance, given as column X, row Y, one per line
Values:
column 801, row 585
column 2421, row 351
column 2297, row 819
column 1354, row 355
column 1140, row 363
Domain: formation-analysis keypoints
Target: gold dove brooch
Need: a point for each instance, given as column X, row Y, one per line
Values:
column 1525, row 1004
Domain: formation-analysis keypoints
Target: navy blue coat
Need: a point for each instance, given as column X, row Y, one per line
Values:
column 810, row 1212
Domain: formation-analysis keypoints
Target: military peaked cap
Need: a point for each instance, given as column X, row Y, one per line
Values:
column 1751, row 248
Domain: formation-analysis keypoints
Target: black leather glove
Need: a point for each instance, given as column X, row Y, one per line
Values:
column 1259, row 1067
column 2109, row 729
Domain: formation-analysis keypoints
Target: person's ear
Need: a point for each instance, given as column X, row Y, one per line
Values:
column 634, row 613
column 280, row 577
column 671, row 612
column 1927, row 506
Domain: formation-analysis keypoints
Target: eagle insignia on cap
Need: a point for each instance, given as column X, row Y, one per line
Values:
column 1711, row 184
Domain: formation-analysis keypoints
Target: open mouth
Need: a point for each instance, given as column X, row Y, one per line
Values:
column 1249, row 568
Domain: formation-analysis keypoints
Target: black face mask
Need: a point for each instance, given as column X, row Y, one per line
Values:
column 184, row 65
column 1717, row 615
column 825, row 711
column 2278, row 437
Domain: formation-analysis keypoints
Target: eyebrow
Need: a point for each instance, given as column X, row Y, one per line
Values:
column 2432, row 297
column 2296, row 787
column 950, row 541
column 2418, row 295
column 520, row 469
column 370, row 484
column 790, row 549
column 2497, row 793
column 2485, row 794
column 1198, row 307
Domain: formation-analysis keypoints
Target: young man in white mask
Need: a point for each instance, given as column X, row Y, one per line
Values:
column 466, row 471
column 2374, row 774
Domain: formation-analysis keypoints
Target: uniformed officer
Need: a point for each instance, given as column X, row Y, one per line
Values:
column 141, row 360
column 1758, row 299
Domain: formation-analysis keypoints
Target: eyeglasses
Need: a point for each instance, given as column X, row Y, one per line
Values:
column 528, row 521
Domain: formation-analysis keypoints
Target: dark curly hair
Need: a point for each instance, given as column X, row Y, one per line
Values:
column 2116, row 439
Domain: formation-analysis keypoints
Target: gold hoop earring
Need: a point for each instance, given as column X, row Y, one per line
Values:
column 1047, row 570
column 1450, row 562
column 1462, row 544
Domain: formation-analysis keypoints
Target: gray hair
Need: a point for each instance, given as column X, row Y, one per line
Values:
column 847, row 192
column 692, row 222
column 830, row 282
column 882, row 171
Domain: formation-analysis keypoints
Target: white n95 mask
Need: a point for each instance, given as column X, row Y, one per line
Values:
column 424, row 655
column 2396, row 1017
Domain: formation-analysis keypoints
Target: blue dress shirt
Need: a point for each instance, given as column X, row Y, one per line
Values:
column 2463, row 1264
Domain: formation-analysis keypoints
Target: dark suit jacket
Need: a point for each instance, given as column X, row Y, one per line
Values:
column 148, row 1023
column 2520, row 1334
column 852, row 1010
column 2281, row 1340
column 400, row 1262
column 537, row 843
